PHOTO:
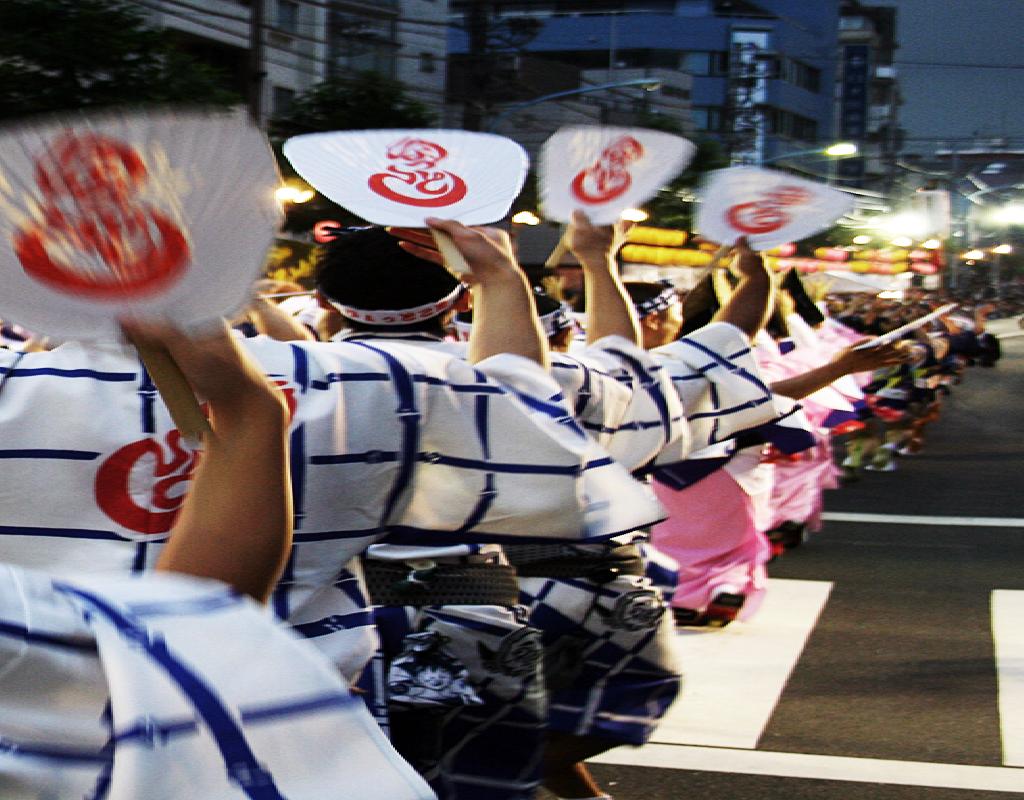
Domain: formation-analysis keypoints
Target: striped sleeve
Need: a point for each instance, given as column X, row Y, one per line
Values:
column 715, row 375
column 624, row 399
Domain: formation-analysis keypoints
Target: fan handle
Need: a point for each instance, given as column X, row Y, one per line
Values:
column 453, row 259
column 170, row 381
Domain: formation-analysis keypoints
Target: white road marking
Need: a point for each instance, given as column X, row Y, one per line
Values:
column 1008, row 635
column 914, row 519
column 835, row 768
column 734, row 676
column 890, row 544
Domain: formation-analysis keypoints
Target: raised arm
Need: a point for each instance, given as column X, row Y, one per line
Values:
column 610, row 312
column 270, row 320
column 504, row 316
column 846, row 362
column 748, row 306
column 236, row 522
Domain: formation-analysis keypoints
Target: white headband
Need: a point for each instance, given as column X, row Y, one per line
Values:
column 552, row 322
column 402, row 316
column 666, row 298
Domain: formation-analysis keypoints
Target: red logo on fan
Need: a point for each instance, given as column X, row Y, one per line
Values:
column 413, row 179
column 767, row 213
column 608, row 177
column 93, row 237
column 142, row 486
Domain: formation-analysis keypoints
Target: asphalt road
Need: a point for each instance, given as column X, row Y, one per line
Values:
column 900, row 666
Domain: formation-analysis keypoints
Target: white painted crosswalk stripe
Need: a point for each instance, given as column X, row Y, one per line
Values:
column 735, row 676
column 836, row 768
column 918, row 519
column 1008, row 634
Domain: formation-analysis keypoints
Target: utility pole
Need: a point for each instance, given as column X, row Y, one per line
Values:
column 478, row 67
column 256, row 66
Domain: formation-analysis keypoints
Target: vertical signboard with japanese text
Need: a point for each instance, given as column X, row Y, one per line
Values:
column 748, row 95
column 853, row 105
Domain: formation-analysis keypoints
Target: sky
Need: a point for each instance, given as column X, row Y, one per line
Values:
column 942, row 101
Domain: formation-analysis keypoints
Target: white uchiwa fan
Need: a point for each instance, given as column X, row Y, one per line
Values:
column 157, row 214
column 160, row 214
column 770, row 208
column 604, row 170
column 402, row 177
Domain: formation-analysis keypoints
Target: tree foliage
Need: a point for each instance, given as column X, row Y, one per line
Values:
column 674, row 205
column 357, row 101
column 57, row 55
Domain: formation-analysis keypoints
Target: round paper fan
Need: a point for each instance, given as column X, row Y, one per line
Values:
column 605, row 170
column 401, row 177
column 768, row 207
column 154, row 214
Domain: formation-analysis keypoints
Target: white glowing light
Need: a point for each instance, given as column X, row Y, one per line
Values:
column 525, row 218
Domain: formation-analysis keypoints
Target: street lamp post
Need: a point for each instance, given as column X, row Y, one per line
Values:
column 649, row 84
column 837, row 150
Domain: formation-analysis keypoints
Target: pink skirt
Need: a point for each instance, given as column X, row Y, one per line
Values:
column 711, row 533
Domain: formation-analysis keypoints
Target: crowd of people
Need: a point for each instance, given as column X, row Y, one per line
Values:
column 445, row 487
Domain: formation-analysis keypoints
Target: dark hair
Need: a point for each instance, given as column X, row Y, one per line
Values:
column 802, row 303
column 366, row 269
column 700, row 305
column 642, row 291
column 543, row 303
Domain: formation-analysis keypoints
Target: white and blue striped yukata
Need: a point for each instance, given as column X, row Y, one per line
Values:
column 493, row 750
column 165, row 686
column 610, row 661
column 385, row 439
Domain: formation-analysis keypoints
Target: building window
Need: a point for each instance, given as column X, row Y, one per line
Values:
column 793, row 126
column 427, row 62
column 853, row 23
column 797, row 73
column 709, row 118
column 363, row 44
column 288, row 16
column 282, row 100
column 706, row 62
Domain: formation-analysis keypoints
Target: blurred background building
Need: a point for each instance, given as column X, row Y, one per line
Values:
column 274, row 50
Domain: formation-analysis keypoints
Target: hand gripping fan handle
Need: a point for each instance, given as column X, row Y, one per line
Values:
column 559, row 252
column 174, row 389
column 453, row 259
column 720, row 255
column 715, row 262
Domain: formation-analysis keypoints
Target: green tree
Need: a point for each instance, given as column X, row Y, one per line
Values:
column 58, row 55
column 356, row 101
column 674, row 204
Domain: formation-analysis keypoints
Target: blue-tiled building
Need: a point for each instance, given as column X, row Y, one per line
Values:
column 764, row 71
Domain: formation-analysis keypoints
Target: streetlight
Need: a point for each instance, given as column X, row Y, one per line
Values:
column 1003, row 249
column 841, row 149
column 647, row 84
column 634, row 215
column 902, row 241
column 837, row 150
column 931, row 244
column 1012, row 214
column 862, row 238
column 906, row 223
column 974, row 255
